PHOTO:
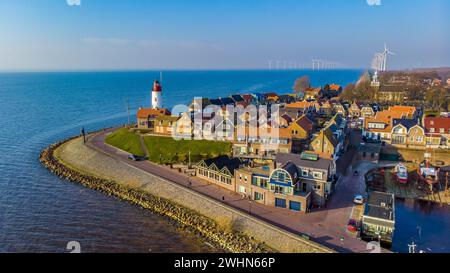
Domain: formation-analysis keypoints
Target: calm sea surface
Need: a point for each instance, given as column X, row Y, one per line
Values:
column 41, row 213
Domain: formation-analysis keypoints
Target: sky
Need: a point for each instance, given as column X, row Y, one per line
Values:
column 51, row 35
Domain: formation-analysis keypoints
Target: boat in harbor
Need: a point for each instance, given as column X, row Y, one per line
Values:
column 401, row 173
column 428, row 173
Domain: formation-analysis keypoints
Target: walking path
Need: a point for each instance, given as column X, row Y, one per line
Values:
column 326, row 226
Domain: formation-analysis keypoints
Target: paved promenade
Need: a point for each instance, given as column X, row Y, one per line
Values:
column 326, row 226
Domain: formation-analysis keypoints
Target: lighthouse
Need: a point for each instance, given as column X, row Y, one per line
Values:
column 156, row 95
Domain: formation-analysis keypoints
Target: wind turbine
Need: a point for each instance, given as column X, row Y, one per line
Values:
column 385, row 54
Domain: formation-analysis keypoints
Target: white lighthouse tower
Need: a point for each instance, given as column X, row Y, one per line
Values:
column 156, row 95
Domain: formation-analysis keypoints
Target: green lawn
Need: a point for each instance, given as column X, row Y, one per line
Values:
column 125, row 140
column 175, row 151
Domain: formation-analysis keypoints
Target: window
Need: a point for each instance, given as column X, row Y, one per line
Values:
column 316, row 187
column 296, row 206
column 240, row 176
column 242, row 189
column 258, row 196
column 281, row 203
column 281, row 176
column 305, row 173
column 442, row 130
column 245, row 178
column 431, row 130
column 278, row 189
column 317, row 175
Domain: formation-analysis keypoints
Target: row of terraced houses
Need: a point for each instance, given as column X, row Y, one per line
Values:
column 296, row 168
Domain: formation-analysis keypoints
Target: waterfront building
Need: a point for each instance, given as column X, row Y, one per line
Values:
column 380, row 126
column 273, row 187
column 437, row 130
column 315, row 175
column 378, row 221
column 219, row 170
column 407, row 133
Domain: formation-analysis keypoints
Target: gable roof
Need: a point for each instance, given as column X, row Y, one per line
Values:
column 305, row 123
column 407, row 123
column 231, row 163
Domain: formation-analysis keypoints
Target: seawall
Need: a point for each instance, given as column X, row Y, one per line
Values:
column 228, row 228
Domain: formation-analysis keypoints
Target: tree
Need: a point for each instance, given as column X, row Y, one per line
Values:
column 301, row 84
column 349, row 92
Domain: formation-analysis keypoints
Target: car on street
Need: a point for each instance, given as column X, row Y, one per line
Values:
column 136, row 157
column 358, row 199
column 352, row 225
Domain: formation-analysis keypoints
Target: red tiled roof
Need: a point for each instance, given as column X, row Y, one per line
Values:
column 335, row 87
column 437, row 123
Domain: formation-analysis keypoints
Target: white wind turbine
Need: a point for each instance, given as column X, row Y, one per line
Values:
column 385, row 54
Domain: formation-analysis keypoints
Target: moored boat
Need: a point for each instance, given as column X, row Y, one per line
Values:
column 428, row 173
column 401, row 173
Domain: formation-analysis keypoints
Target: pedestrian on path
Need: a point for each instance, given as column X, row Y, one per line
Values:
column 223, row 198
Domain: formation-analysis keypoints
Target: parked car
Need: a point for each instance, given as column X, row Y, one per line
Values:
column 352, row 225
column 136, row 157
column 358, row 199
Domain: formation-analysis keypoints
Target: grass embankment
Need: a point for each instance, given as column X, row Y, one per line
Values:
column 171, row 150
column 177, row 151
column 125, row 140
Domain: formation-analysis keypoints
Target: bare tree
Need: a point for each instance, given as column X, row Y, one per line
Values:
column 301, row 84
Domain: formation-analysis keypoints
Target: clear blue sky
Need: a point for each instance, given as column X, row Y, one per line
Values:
column 219, row 34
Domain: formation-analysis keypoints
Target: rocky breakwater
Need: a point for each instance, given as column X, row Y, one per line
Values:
column 218, row 234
